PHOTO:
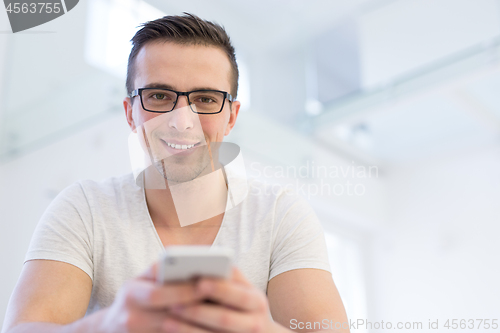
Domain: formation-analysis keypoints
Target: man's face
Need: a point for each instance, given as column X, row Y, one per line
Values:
column 181, row 68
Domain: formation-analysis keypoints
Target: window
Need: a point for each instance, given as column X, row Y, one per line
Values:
column 110, row 26
column 346, row 264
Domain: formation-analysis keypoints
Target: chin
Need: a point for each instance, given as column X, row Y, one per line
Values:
column 179, row 173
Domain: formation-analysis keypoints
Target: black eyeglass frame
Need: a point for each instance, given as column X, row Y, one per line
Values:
column 138, row 92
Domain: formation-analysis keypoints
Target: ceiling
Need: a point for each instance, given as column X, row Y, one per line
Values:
column 431, row 80
column 452, row 116
column 263, row 25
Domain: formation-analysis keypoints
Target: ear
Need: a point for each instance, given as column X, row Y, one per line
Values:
column 235, row 109
column 127, row 105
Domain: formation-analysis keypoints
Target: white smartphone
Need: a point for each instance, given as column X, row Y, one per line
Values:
column 185, row 262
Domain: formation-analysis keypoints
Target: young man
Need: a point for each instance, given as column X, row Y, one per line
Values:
column 87, row 266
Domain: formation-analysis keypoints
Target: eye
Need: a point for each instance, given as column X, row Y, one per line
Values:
column 159, row 96
column 206, row 100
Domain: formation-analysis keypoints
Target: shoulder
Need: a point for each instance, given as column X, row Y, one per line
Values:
column 274, row 197
column 289, row 212
column 109, row 185
column 87, row 194
column 109, row 188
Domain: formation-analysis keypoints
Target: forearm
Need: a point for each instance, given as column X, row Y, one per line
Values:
column 91, row 323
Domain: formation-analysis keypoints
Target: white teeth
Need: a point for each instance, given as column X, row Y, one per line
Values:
column 180, row 147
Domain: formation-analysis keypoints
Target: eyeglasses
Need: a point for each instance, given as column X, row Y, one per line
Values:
column 164, row 100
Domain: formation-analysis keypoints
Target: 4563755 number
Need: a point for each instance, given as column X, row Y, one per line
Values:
column 471, row 324
column 47, row 7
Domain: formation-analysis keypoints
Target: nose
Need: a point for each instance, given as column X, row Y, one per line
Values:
column 181, row 118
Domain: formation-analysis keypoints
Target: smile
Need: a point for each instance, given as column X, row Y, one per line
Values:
column 180, row 147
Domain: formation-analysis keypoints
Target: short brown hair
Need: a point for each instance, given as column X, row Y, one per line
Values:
column 185, row 29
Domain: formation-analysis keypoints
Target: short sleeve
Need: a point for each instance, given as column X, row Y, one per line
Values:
column 64, row 233
column 298, row 237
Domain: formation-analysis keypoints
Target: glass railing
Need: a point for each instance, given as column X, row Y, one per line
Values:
column 49, row 91
column 59, row 113
column 449, row 68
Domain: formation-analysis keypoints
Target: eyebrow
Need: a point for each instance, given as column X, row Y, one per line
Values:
column 167, row 86
column 159, row 85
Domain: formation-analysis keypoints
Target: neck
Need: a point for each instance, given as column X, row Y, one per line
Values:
column 198, row 203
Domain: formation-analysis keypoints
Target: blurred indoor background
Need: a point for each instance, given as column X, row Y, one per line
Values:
column 384, row 114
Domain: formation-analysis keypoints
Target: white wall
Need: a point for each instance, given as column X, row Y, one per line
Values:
column 438, row 257
column 4, row 42
column 29, row 183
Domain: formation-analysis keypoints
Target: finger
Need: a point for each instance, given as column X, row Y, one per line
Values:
column 219, row 318
column 145, row 321
column 232, row 294
column 147, row 294
column 172, row 325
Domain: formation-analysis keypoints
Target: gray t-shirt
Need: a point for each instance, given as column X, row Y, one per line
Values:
column 104, row 228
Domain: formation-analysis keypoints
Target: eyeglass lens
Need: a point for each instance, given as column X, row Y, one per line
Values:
column 163, row 100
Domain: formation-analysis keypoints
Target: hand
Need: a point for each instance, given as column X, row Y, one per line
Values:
column 143, row 306
column 238, row 307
